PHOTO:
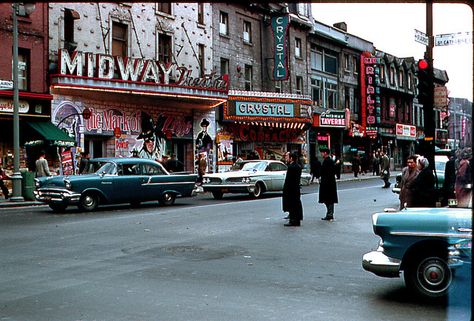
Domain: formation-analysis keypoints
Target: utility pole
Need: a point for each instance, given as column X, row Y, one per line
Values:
column 429, row 120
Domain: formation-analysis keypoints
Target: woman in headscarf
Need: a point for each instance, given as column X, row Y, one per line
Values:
column 423, row 186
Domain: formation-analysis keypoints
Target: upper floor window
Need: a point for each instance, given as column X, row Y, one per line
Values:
column 69, row 17
column 346, row 62
column 299, row 85
column 119, row 39
column 224, row 23
column 23, row 68
column 200, row 13
column 331, row 95
column 248, row 77
column 392, row 75
column 202, row 59
column 382, row 73
column 164, row 48
column 302, row 9
column 409, row 81
column 355, row 65
column 224, row 66
column 323, row 60
column 298, row 53
column 164, row 7
column 317, row 91
column 247, row 35
column 400, row 78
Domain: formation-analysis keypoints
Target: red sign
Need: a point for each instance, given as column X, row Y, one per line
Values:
column 117, row 132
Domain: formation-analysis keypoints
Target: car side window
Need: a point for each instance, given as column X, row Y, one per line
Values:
column 280, row 167
column 130, row 169
column 149, row 169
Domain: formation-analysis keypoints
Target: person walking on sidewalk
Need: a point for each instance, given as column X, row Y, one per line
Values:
column 42, row 168
column 409, row 174
column 356, row 165
column 328, row 187
column 423, row 186
column 4, row 176
column 385, row 168
column 291, row 200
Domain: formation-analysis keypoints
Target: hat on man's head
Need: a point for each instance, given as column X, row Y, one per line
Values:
column 204, row 122
column 147, row 128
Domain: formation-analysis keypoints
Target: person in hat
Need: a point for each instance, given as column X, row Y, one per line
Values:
column 149, row 149
column 291, row 199
column 328, row 187
column 203, row 139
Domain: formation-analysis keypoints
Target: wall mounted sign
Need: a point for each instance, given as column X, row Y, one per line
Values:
column 135, row 70
column 370, row 91
column 405, row 131
column 6, row 106
column 106, row 121
column 333, row 118
column 280, row 31
column 252, row 108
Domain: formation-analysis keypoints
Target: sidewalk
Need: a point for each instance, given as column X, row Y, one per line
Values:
column 6, row 203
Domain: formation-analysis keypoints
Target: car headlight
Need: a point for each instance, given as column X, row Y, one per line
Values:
column 246, row 180
column 37, row 183
column 67, row 184
column 206, row 180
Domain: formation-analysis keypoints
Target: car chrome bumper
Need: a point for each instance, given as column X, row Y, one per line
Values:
column 229, row 188
column 380, row 264
column 54, row 195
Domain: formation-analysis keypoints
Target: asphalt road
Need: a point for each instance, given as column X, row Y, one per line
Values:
column 203, row 259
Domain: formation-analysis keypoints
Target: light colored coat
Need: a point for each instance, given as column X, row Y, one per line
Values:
column 42, row 168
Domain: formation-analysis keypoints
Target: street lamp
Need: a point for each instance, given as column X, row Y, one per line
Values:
column 16, row 177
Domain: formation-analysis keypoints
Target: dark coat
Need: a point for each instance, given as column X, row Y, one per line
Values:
column 423, row 188
column 449, row 180
column 328, row 187
column 316, row 167
column 291, row 199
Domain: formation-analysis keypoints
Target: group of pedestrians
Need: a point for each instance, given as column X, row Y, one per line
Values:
column 291, row 200
column 417, row 184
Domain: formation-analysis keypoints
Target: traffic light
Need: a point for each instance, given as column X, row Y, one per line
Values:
column 425, row 83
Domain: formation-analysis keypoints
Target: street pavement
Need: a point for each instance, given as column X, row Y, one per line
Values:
column 7, row 203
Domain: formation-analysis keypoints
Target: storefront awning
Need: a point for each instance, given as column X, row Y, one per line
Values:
column 49, row 132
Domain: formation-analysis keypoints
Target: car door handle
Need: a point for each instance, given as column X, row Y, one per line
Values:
column 465, row 230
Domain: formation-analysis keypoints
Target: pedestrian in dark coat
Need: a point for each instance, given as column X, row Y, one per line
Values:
column 449, row 180
column 291, row 199
column 423, row 186
column 356, row 165
column 328, row 187
column 315, row 168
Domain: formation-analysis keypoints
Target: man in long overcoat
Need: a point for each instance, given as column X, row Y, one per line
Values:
column 385, row 168
column 328, row 187
column 291, row 199
column 409, row 174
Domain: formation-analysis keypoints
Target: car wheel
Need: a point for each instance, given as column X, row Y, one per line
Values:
column 429, row 275
column 167, row 199
column 58, row 208
column 88, row 202
column 217, row 195
column 258, row 191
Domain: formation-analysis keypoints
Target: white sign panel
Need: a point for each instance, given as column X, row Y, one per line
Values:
column 6, row 84
column 421, row 37
column 6, row 106
column 460, row 38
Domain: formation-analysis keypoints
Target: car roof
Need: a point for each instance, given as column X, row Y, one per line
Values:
column 123, row 160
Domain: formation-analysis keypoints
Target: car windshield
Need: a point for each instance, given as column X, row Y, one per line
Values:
column 440, row 163
column 249, row 166
column 93, row 166
column 107, row 168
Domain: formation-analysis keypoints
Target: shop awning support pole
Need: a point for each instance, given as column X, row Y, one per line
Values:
column 16, row 177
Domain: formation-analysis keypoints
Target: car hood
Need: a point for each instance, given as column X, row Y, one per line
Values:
column 233, row 174
column 58, row 181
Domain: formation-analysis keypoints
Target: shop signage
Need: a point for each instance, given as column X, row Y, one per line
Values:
column 178, row 126
column 370, row 91
column 251, row 108
column 265, row 134
column 6, row 84
column 280, row 30
column 6, row 106
column 136, row 70
column 108, row 120
column 440, row 97
column 441, row 136
column 459, row 38
column 408, row 131
column 333, row 118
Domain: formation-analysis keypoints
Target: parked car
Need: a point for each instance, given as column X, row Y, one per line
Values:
column 440, row 164
column 427, row 244
column 115, row 180
column 254, row 177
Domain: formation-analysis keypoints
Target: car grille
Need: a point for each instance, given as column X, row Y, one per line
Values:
column 215, row 180
column 234, row 180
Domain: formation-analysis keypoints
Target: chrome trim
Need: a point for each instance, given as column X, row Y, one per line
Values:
column 167, row 183
column 380, row 264
column 429, row 234
column 227, row 185
column 106, row 183
column 465, row 229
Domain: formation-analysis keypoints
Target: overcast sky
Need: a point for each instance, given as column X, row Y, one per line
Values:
column 390, row 27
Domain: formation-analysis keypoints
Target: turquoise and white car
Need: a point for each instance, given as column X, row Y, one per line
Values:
column 115, row 181
column 426, row 244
